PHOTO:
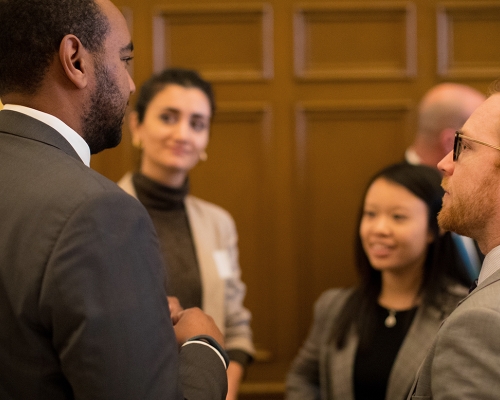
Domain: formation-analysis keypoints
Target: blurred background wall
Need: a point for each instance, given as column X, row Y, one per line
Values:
column 313, row 97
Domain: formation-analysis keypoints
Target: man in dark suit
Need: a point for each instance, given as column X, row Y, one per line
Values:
column 463, row 362
column 83, row 311
column 442, row 111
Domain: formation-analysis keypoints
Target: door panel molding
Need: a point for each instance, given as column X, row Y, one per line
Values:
column 243, row 33
column 355, row 41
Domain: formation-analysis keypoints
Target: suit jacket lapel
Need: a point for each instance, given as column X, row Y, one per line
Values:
column 18, row 124
column 205, row 243
column 343, row 368
column 337, row 366
column 488, row 281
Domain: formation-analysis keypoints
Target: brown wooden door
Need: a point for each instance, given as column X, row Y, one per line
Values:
column 313, row 98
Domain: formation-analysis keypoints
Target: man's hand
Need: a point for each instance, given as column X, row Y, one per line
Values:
column 175, row 308
column 193, row 322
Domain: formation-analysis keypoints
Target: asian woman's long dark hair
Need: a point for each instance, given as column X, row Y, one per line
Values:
column 442, row 265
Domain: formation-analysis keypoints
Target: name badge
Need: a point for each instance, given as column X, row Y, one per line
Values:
column 223, row 262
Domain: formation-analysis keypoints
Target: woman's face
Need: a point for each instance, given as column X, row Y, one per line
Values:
column 394, row 228
column 174, row 132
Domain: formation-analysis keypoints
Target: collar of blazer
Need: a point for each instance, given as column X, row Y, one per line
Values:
column 487, row 282
column 21, row 125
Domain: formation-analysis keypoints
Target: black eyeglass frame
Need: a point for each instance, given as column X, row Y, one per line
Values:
column 457, row 144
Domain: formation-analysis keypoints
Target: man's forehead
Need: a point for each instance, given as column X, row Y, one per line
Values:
column 484, row 123
column 119, row 33
column 490, row 109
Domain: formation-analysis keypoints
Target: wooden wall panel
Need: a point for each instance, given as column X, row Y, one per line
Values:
column 467, row 40
column 185, row 35
column 355, row 41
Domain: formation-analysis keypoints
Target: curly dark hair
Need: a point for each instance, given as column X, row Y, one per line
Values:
column 178, row 76
column 31, row 32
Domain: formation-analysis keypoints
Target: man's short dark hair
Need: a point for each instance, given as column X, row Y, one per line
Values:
column 31, row 32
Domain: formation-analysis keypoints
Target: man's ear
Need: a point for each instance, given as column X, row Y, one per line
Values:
column 74, row 60
column 446, row 139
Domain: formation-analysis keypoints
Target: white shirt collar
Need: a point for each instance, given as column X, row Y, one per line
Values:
column 75, row 140
column 491, row 264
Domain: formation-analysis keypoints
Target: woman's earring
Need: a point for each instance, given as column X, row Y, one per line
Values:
column 136, row 142
column 203, row 155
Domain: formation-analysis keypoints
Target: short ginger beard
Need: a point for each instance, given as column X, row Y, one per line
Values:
column 469, row 214
column 103, row 118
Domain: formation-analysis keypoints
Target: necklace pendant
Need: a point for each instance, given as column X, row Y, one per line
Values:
column 390, row 321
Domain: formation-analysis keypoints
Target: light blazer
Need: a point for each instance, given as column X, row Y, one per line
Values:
column 83, row 312
column 321, row 371
column 464, row 360
column 214, row 231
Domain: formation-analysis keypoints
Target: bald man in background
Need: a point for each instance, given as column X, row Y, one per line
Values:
column 442, row 111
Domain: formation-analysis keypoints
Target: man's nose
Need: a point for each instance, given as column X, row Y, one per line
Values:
column 131, row 84
column 447, row 165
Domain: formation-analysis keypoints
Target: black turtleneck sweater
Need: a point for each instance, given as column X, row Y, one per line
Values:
column 166, row 207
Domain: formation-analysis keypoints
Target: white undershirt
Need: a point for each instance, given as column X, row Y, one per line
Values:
column 75, row 140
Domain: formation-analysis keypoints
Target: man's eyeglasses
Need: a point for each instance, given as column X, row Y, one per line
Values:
column 457, row 145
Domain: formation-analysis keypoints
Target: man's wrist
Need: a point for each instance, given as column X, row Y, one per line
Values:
column 211, row 342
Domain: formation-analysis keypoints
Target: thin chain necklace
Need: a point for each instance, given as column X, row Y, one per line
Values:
column 391, row 321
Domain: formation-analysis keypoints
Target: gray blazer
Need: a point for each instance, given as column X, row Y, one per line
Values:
column 83, row 312
column 321, row 371
column 464, row 360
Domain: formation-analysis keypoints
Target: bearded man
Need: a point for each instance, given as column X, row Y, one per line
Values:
column 463, row 362
column 83, row 310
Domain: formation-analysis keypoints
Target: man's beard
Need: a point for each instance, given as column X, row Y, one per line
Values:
column 103, row 118
column 468, row 213
column 454, row 217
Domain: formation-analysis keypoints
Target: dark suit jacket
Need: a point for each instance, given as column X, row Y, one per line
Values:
column 83, row 312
